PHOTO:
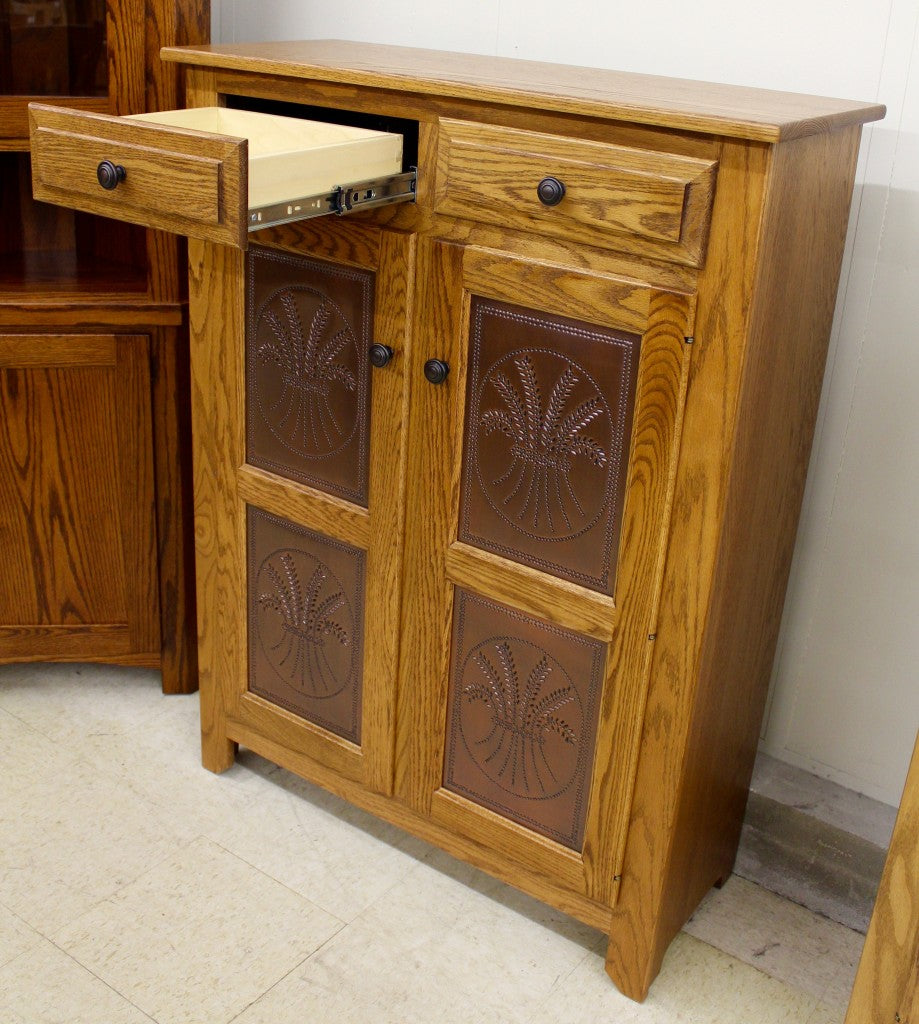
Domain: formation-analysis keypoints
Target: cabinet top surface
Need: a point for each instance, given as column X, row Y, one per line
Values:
column 758, row 114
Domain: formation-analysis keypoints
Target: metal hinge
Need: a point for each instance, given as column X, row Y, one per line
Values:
column 361, row 195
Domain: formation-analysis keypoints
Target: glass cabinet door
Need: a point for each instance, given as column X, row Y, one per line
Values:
column 53, row 48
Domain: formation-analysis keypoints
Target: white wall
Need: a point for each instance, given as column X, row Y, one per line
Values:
column 845, row 697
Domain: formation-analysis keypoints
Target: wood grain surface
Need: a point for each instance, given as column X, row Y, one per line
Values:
column 217, row 311
column 99, row 277
column 736, row 505
column 191, row 183
column 756, row 114
column 887, row 983
column 76, row 495
column 488, row 173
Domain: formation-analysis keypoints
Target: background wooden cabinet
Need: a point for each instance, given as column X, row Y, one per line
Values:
column 94, row 462
column 76, row 493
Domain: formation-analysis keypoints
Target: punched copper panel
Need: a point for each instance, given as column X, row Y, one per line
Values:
column 548, row 419
column 306, row 623
column 522, row 717
column 308, row 334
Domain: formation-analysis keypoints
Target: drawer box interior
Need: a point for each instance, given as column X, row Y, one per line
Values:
column 289, row 157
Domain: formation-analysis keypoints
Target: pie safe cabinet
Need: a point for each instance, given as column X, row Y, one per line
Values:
column 504, row 378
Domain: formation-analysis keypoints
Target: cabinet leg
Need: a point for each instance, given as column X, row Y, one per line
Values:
column 633, row 970
column 217, row 752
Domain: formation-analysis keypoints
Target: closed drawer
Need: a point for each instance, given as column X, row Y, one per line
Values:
column 199, row 172
column 609, row 195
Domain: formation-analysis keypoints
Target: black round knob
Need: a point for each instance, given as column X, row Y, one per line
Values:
column 110, row 174
column 550, row 191
column 436, row 370
column 380, row 355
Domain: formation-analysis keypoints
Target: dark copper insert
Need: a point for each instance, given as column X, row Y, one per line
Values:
column 308, row 336
column 548, row 421
column 522, row 717
column 306, row 623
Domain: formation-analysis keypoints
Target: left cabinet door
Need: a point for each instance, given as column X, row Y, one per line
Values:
column 77, row 517
column 297, row 355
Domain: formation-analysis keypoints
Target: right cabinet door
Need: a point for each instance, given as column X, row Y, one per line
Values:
column 539, row 486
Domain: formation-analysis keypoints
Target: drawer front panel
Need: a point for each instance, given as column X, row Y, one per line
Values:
column 549, row 416
column 522, row 717
column 492, row 174
column 306, row 623
column 191, row 183
column 308, row 334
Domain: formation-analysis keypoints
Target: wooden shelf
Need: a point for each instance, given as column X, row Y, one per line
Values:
column 57, row 274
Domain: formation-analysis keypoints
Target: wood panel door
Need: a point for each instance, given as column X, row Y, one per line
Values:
column 540, row 475
column 299, row 464
column 77, row 499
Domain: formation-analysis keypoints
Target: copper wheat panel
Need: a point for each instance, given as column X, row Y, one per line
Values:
column 548, row 419
column 522, row 717
column 308, row 334
column 306, row 623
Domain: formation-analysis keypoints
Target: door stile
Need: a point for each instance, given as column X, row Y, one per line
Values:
column 217, row 321
column 434, row 441
column 660, row 401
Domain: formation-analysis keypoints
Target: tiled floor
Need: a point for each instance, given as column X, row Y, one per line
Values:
column 137, row 887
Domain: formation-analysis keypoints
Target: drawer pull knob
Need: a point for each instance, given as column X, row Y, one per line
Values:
column 550, row 191
column 436, row 370
column 110, row 174
column 380, row 355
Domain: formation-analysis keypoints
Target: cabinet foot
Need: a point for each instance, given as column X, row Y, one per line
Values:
column 217, row 753
column 632, row 977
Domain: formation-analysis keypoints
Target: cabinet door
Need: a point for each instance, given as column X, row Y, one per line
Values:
column 298, row 467
column 76, row 499
column 540, row 474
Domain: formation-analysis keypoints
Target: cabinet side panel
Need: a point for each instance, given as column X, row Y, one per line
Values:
column 138, row 500
column 763, row 329
column 174, row 508
column 801, row 253
column 637, row 944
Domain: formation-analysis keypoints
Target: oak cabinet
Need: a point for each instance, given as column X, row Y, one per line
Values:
column 496, row 486
column 94, row 471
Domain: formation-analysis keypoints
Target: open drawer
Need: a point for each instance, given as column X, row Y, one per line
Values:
column 210, row 172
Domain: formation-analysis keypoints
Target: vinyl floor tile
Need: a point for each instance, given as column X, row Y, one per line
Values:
column 697, row 985
column 334, row 854
column 198, row 937
column 69, row 838
column 16, row 937
column 45, row 986
column 177, row 896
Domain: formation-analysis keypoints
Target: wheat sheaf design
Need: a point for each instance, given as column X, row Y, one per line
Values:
column 522, row 733
column 304, row 354
column 535, row 491
column 305, row 623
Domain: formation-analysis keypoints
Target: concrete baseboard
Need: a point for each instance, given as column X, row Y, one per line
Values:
column 814, row 842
